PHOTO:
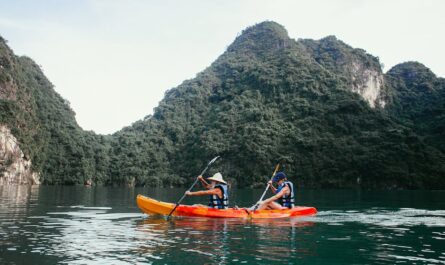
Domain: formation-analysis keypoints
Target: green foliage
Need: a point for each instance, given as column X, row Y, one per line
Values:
column 419, row 102
column 265, row 98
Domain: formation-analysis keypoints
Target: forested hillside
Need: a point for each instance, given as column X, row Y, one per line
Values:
column 45, row 124
column 325, row 107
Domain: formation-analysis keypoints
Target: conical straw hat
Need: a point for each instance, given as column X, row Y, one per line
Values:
column 217, row 177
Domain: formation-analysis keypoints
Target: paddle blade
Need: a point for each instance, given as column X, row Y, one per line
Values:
column 213, row 160
column 277, row 167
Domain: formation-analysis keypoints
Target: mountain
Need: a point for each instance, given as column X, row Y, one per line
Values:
column 323, row 106
column 44, row 125
column 419, row 101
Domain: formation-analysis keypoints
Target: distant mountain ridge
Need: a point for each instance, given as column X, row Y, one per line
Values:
column 326, row 107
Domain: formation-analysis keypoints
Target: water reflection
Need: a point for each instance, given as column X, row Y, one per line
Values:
column 15, row 204
column 215, row 224
column 87, row 234
column 226, row 240
column 16, row 200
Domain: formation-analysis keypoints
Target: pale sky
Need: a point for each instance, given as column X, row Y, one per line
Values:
column 114, row 59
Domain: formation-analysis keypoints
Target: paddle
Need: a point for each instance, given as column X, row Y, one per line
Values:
column 267, row 187
column 194, row 183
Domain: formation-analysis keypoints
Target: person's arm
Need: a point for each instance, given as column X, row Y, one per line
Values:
column 214, row 191
column 280, row 194
column 274, row 190
column 204, row 182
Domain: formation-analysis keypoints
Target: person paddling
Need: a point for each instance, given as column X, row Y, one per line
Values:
column 217, row 189
column 284, row 194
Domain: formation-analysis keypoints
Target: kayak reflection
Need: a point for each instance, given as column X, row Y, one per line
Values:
column 220, row 240
column 208, row 224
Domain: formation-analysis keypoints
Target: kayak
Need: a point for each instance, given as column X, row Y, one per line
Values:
column 154, row 207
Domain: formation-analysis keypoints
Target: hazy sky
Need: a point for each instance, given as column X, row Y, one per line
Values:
column 113, row 60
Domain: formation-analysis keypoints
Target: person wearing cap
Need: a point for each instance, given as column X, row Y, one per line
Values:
column 284, row 194
column 217, row 189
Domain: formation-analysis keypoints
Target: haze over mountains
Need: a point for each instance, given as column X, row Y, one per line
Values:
column 324, row 106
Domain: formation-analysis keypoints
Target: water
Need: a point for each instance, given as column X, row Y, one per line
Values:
column 102, row 225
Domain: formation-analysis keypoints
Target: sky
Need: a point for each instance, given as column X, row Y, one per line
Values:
column 113, row 60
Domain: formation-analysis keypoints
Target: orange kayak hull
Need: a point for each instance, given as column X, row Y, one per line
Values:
column 154, row 207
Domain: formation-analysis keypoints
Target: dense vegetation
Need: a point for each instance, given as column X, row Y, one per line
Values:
column 45, row 125
column 266, row 97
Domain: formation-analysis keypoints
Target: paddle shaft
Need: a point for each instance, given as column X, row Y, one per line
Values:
column 267, row 187
column 193, row 185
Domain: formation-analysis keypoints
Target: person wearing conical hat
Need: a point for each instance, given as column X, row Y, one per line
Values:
column 216, row 189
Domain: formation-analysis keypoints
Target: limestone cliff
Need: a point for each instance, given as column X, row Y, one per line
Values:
column 15, row 168
column 361, row 71
column 368, row 83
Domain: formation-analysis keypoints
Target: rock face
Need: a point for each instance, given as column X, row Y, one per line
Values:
column 361, row 70
column 368, row 83
column 15, row 168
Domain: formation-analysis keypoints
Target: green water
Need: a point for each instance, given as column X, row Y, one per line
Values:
column 102, row 225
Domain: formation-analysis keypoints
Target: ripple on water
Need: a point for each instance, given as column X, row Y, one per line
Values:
column 384, row 217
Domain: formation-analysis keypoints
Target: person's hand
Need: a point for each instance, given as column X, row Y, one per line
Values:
column 269, row 182
column 188, row 193
column 200, row 177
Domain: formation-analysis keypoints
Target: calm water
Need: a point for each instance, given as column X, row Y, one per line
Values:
column 102, row 225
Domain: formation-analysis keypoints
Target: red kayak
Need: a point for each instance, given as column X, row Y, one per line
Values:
column 155, row 207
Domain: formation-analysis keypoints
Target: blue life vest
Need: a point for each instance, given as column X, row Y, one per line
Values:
column 220, row 203
column 287, row 200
